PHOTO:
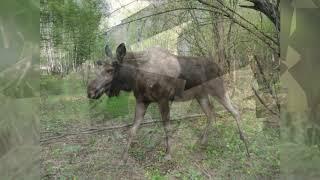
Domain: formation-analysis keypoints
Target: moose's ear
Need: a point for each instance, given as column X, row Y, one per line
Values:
column 108, row 51
column 121, row 52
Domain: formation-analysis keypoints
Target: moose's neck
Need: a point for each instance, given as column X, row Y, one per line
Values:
column 127, row 74
column 124, row 79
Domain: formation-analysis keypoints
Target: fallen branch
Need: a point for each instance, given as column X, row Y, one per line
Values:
column 95, row 130
column 204, row 171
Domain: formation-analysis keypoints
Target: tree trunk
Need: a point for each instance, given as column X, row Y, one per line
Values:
column 269, row 9
column 219, row 42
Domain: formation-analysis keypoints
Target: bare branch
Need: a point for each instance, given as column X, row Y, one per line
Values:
column 3, row 34
column 263, row 103
column 249, row 7
column 262, row 36
column 96, row 130
column 122, row 6
column 155, row 14
column 266, row 82
column 232, row 12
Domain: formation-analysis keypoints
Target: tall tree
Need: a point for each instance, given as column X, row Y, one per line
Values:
column 269, row 8
column 72, row 31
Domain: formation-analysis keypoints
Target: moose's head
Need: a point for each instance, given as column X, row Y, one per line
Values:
column 105, row 80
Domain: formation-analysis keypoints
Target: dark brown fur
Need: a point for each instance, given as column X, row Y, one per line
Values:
column 197, row 78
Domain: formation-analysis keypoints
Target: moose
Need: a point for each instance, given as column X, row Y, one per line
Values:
column 157, row 76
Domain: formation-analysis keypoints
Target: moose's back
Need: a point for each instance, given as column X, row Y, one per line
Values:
column 197, row 70
column 160, row 62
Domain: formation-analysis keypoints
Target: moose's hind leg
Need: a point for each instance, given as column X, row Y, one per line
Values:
column 207, row 108
column 226, row 102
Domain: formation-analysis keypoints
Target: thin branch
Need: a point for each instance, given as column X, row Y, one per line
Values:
column 155, row 14
column 3, row 34
column 24, row 72
column 249, row 30
column 202, row 37
column 266, row 82
column 231, row 16
column 241, row 17
column 263, row 103
column 96, row 130
column 204, row 171
column 122, row 6
column 203, row 9
column 249, row 7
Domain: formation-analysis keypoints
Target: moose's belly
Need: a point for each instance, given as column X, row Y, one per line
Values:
column 197, row 79
column 153, row 87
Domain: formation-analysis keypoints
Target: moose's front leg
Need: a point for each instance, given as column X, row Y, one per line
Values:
column 141, row 108
column 165, row 115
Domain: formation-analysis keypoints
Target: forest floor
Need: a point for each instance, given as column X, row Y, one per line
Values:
column 96, row 155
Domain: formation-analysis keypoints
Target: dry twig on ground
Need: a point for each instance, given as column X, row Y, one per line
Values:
column 96, row 130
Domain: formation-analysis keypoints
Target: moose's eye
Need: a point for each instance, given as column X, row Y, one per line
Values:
column 110, row 71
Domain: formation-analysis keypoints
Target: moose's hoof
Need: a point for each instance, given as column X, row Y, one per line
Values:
column 204, row 141
column 242, row 136
column 124, row 159
column 123, row 162
column 167, row 157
